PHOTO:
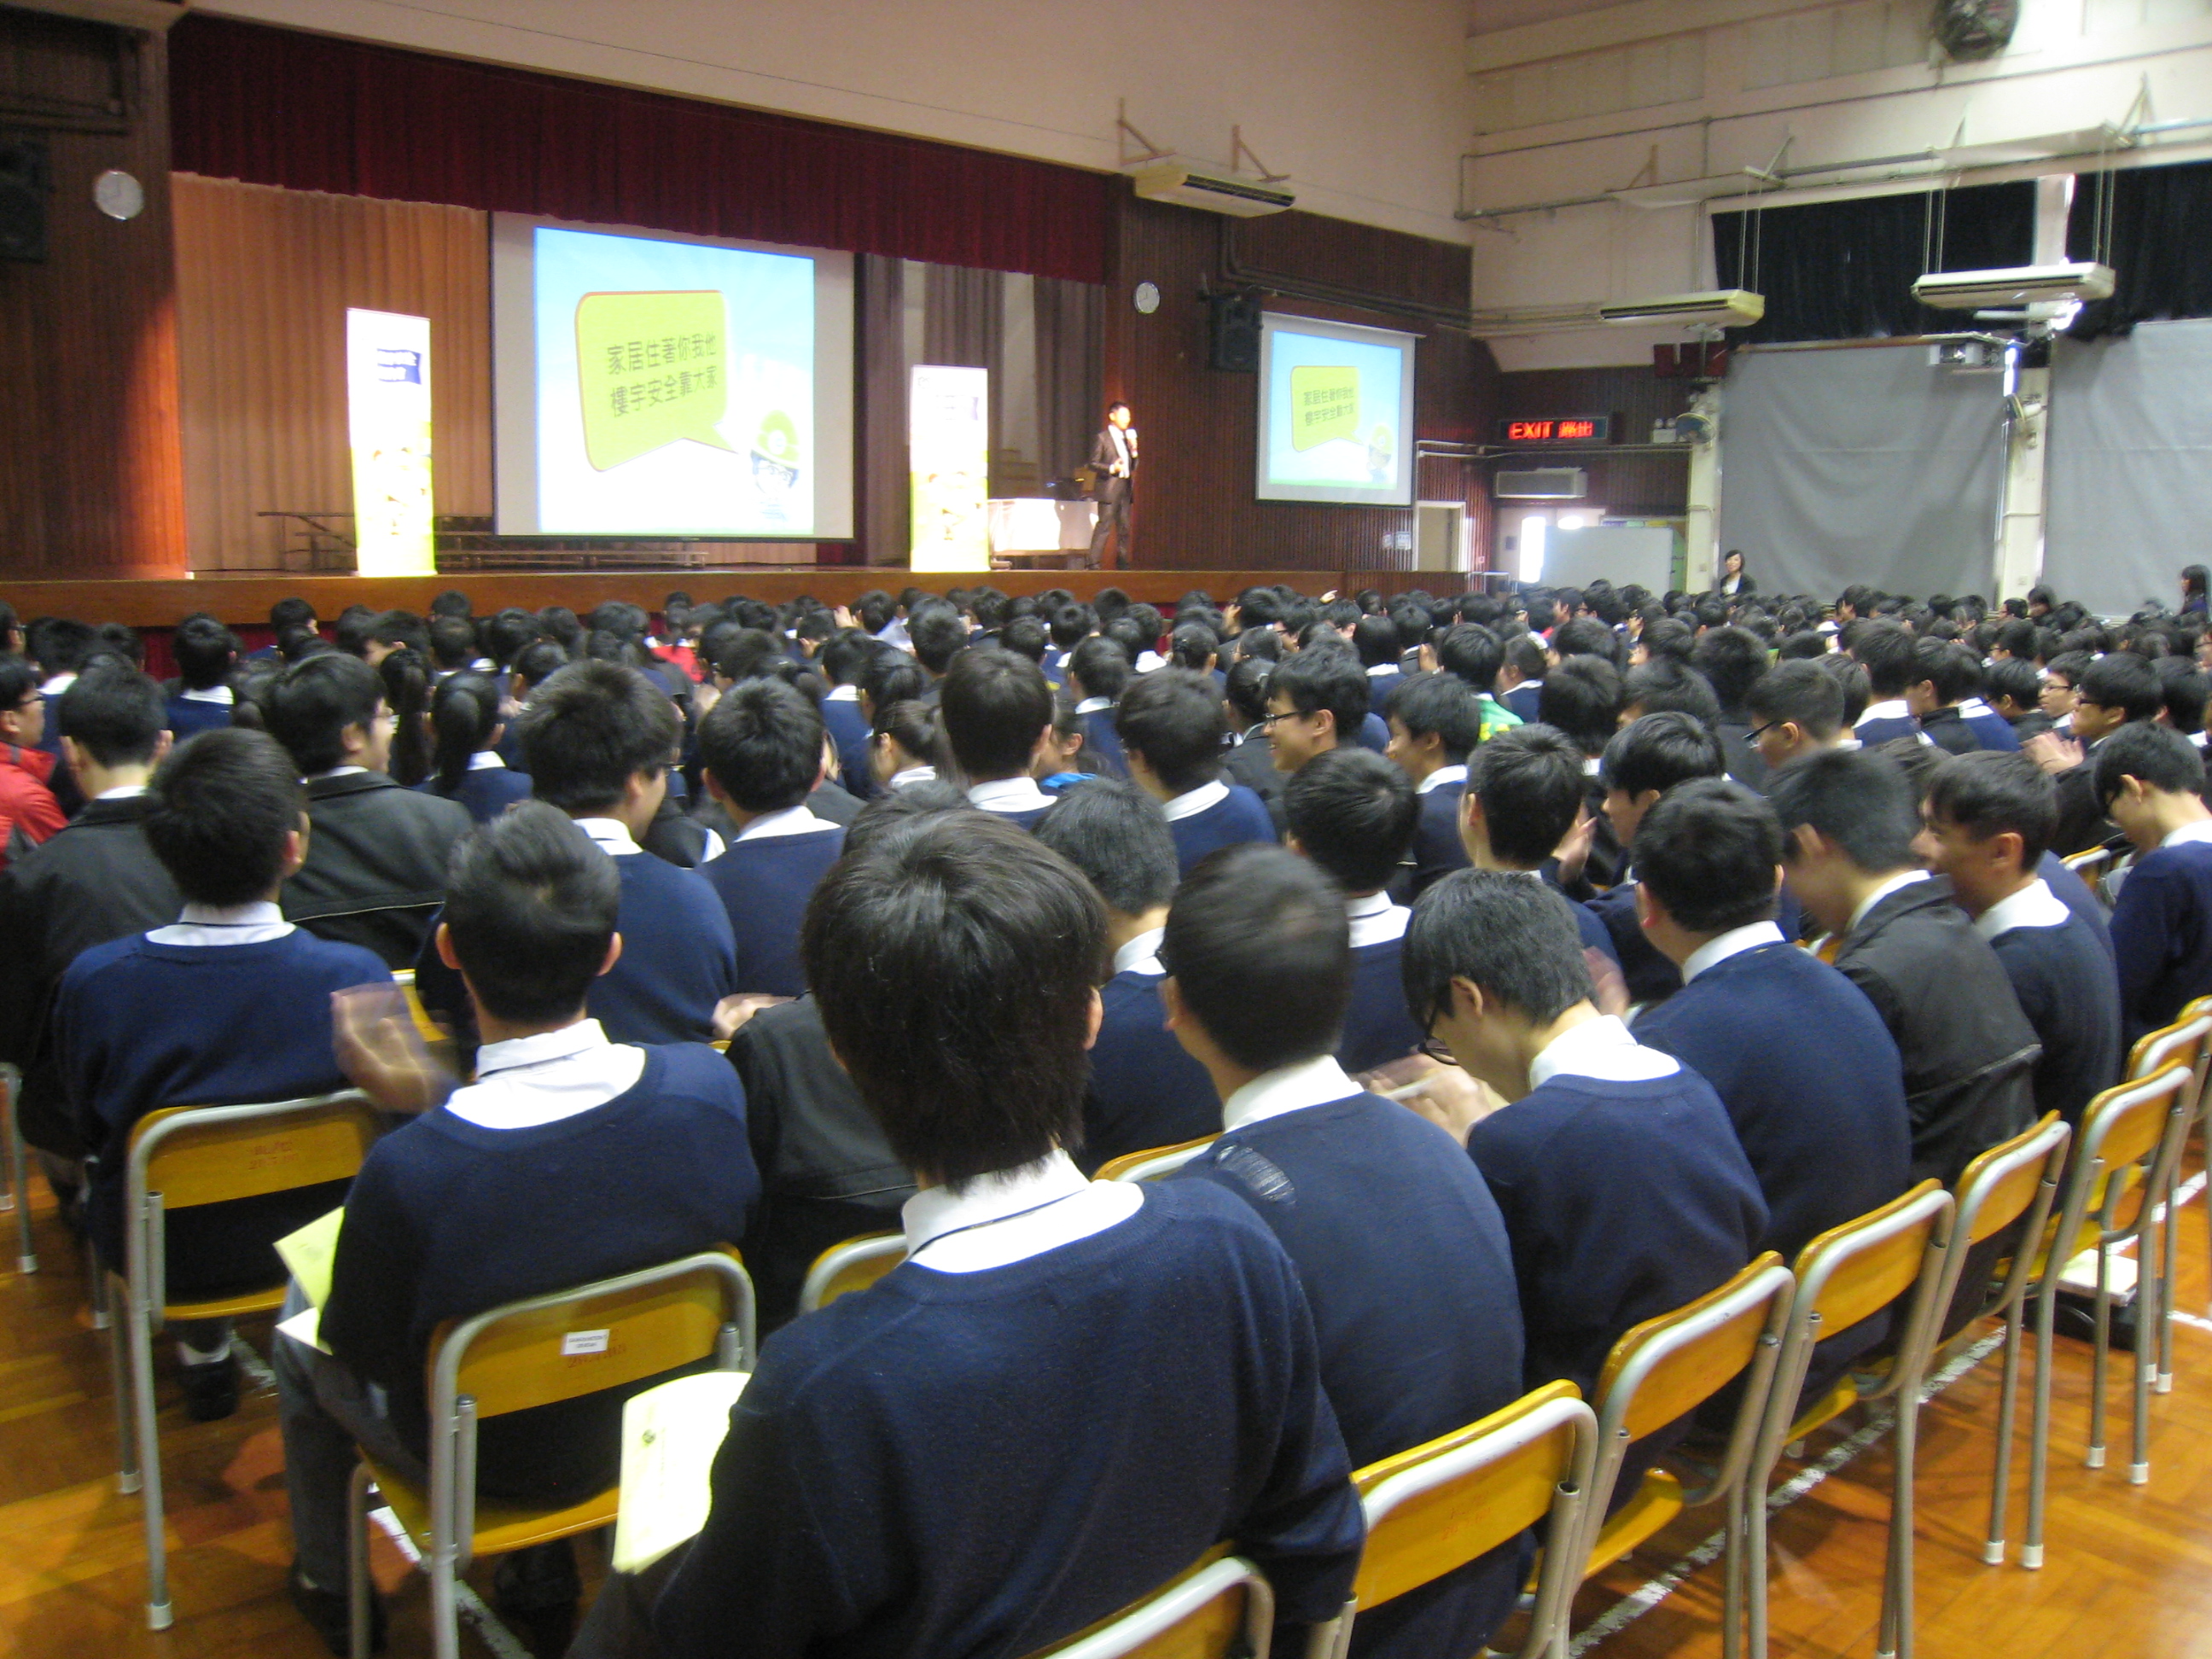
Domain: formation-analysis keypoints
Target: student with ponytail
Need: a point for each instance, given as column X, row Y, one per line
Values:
column 465, row 761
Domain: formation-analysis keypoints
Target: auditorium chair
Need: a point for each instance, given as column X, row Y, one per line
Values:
column 854, row 1265
column 2188, row 1041
column 1155, row 1162
column 1222, row 1608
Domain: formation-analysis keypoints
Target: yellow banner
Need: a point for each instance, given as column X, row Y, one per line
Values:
column 650, row 369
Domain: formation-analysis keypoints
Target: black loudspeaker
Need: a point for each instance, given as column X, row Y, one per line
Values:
column 25, row 183
column 1233, row 332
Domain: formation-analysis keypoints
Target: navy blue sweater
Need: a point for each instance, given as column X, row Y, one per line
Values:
column 486, row 793
column 2070, row 994
column 981, row 1463
column 1621, row 1200
column 1102, row 745
column 1243, row 816
column 1378, row 1029
column 1145, row 1091
column 448, row 1217
column 764, row 885
column 1438, row 849
column 1418, row 1322
column 190, row 716
column 1651, row 977
column 140, row 1026
column 2162, row 932
column 849, row 732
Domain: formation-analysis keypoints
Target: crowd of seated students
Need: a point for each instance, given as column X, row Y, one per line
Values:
column 985, row 891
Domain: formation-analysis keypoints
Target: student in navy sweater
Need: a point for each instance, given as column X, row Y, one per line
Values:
column 1435, row 721
column 1987, row 819
column 1097, row 671
column 231, row 1006
column 1524, row 795
column 570, row 1158
column 1946, row 676
column 978, row 1442
column 1316, row 701
column 842, row 660
column 465, row 759
column 1353, row 813
column 997, row 715
column 1810, row 1076
column 1419, row 1319
column 1173, row 732
column 1144, row 1091
column 2151, row 781
column 762, row 746
column 1892, row 659
column 1375, row 642
column 207, row 654
column 1795, row 708
column 1625, row 1191
column 1646, row 758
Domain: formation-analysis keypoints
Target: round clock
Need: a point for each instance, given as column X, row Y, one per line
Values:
column 1146, row 298
column 117, row 195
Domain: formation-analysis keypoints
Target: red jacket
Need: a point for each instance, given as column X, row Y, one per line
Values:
column 27, row 808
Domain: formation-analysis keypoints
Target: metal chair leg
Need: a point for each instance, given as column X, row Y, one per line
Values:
column 445, row 1609
column 100, row 1292
column 1897, row 1595
column 127, row 1477
column 1733, row 1559
column 2039, row 1454
column 138, row 1319
column 2170, row 1235
column 357, row 1585
column 2150, row 1323
column 2100, row 1361
column 1993, row 1549
column 1755, row 1563
column 26, row 1254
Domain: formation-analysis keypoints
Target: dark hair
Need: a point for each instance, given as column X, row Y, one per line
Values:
column 2163, row 760
column 2015, row 677
column 911, row 724
column 1805, row 693
column 293, row 612
column 995, row 706
column 1658, row 751
column 115, row 713
column 1664, row 684
column 1246, row 689
column 1731, row 660
column 1514, row 938
column 406, row 680
column 1473, row 653
column 2195, row 579
column 1949, row 667
column 1025, row 636
column 937, row 631
column 1070, row 624
column 1314, row 679
column 1117, row 834
column 61, row 644
column 1100, row 667
column 763, row 743
column 894, row 807
column 1173, row 720
column 464, row 714
column 206, row 650
column 1443, row 703
column 1586, row 637
column 1581, row 697
column 2123, row 680
column 1353, row 813
column 1707, row 849
column 1860, row 801
column 217, row 811
column 1194, row 646
column 453, row 642
column 1375, row 641
column 590, row 729
column 308, row 707
column 1261, row 950
column 1530, row 782
column 1992, row 791
column 530, row 906
column 949, row 957
column 845, row 656
column 399, row 628
column 2185, row 691
column 1891, row 656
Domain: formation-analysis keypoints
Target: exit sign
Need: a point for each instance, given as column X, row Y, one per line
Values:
column 1561, row 429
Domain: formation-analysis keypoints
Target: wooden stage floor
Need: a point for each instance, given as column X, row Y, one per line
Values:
column 2129, row 1569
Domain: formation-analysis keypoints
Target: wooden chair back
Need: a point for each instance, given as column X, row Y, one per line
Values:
column 1221, row 1607
column 1153, row 1163
column 1999, row 1187
column 2182, row 1043
column 1675, row 1362
column 196, row 1155
column 2123, row 1125
column 852, row 1266
column 1852, row 1271
column 2088, row 865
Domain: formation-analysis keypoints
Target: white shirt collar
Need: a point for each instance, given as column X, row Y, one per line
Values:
column 1439, row 778
column 121, row 791
column 1890, row 709
column 610, row 835
column 1092, row 705
column 1008, row 795
column 1287, row 1088
column 791, row 821
column 525, row 1082
column 1600, row 1049
column 485, row 760
column 1733, row 943
column 1201, row 799
column 1148, row 661
column 1013, row 1215
column 1382, row 668
column 1375, row 919
column 843, row 693
column 1902, row 879
column 56, row 686
column 224, row 924
column 221, row 694
column 1142, row 953
column 914, row 775
column 2200, row 830
column 1973, row 709
column 2034, row 906
column 338, row 772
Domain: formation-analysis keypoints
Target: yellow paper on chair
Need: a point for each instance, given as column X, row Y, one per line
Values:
column 312, row 1252
column 670, row 1437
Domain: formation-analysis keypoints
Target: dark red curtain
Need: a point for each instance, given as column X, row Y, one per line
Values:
column 273, row 106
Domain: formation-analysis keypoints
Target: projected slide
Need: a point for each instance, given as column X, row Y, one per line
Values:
column 1336, row 413
column 657, row 387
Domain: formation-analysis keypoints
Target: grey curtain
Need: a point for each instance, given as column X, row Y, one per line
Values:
column 1861, row 464
column 2129, row 473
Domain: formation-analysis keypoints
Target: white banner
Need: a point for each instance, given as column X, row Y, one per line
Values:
column 949, row 441
column 388, row 407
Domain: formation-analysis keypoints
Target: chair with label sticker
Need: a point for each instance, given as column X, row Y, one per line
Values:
column 538, row 1351
column 1222, row 1608
column 852, row 1266
column 1154, row 1163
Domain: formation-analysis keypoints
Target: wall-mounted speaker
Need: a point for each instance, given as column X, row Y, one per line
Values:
column 1233, row 332
column 26, row 181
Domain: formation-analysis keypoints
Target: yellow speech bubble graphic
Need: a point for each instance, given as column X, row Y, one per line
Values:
column 1324, row 404
column 651, row 367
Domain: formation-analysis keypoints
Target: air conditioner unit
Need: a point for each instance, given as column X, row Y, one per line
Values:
column 1542, row 483
column 2018, row 285
column 1189, row 183
column 1729, row 307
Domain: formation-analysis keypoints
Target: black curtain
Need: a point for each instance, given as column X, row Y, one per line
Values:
column 1844, row 270
column 2160, row 221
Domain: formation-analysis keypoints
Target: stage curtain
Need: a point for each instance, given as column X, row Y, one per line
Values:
column 1070, row 346
column 275, row 106
column 264, row 281
column 2161, row 223
column 1845, row 271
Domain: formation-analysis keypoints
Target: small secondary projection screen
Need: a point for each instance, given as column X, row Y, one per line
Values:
column 657, row 386
column 1336, row 413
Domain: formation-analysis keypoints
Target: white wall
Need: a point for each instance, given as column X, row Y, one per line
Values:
column 1687, row 93
column 1366, row 104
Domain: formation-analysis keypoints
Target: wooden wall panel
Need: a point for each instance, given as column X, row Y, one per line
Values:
column 1197, row 509
column 1652, row 485
column 265, row 278
column 91, row 481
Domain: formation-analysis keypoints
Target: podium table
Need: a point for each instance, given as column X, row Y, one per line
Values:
column 1037, row 531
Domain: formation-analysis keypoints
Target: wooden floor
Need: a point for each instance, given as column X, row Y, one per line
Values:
column 2130, row 1570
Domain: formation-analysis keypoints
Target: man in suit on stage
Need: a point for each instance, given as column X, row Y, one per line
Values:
column 1113, row 465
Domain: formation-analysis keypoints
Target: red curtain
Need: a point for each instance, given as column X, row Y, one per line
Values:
column 273, row 106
